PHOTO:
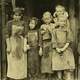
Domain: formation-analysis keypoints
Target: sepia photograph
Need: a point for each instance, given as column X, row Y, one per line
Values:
column 39, row 39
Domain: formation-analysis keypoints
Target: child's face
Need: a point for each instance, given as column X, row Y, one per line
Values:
column 47, row 18
column 32, row 24
column 59, row 11
column 17, row 16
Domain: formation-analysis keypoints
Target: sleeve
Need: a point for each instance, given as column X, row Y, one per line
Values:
column 69, row 33
column 26, row 46
column 54, row 41
column 40, row 38
column 8, row 45
column 7, row 29
column 43, row 29
column 25, row 28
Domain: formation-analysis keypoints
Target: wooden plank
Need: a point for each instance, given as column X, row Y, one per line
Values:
column 79, row 40
column 3, row 57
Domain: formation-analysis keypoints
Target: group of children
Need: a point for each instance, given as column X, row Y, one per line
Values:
column 45, row 50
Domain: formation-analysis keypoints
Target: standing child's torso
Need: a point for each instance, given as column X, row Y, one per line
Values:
column 33, row 38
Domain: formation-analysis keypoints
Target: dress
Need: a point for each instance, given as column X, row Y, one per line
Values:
column 33, row 53
column 61, row 36
column 8, row 28
column 17, row 58
column 46, row 59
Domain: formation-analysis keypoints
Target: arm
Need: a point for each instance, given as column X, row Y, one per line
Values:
column 8, row 45
column 26, row 46
column 43, row 29
column 69, row 37
column 40, row 43
column 65, row 47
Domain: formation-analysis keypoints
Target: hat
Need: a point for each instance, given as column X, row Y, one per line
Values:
column 18, row 10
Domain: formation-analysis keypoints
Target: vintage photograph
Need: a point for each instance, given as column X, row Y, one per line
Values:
column 39, row 39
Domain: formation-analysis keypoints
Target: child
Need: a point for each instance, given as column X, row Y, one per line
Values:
column 33, row 52
column 16, row 50
column 62, row 59
column 60, row 15
column 45, row 30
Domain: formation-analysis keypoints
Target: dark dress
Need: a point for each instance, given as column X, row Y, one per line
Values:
column 46, row 59
column 33, row 53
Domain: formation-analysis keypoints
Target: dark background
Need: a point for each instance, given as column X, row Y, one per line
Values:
column 37, row 7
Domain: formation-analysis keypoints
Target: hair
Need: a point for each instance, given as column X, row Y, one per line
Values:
column 35, row 19
column 63, row 8
column 60, row 6
column 47, row 12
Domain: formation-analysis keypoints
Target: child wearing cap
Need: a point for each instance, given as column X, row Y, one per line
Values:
column 16, row 50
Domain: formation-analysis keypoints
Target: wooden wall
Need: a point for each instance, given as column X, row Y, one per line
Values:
column 36, row 8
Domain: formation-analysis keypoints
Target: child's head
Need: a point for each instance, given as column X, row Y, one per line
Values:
column 33, row 22
column 59, row 10
column 60, row 15
column 17, row 13
column 17, row 16
column 47, row 17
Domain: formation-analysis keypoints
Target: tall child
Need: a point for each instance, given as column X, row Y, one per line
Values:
column 62, row 59
column 16, row 49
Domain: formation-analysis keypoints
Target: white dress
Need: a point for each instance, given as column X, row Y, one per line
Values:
column 17, row 66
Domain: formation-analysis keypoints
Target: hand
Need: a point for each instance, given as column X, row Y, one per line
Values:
column 65, row 47
column 58, row 50
column 40, row 51
column 8, row 51
column 62, row 49
column 28, row 47
column 42, row 32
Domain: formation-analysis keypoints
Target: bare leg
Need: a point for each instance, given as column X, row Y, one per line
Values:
column 49, row 77
column 59, row 74
column 68, row 75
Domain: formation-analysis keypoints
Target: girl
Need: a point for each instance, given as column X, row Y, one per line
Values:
column 46, row 56
column 33, row 52
column 16, row 50
column 62, row 58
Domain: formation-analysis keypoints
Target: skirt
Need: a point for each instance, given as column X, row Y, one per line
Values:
column 17, row 68
column 64, row 61
column 46, row 64
column 46, row 59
